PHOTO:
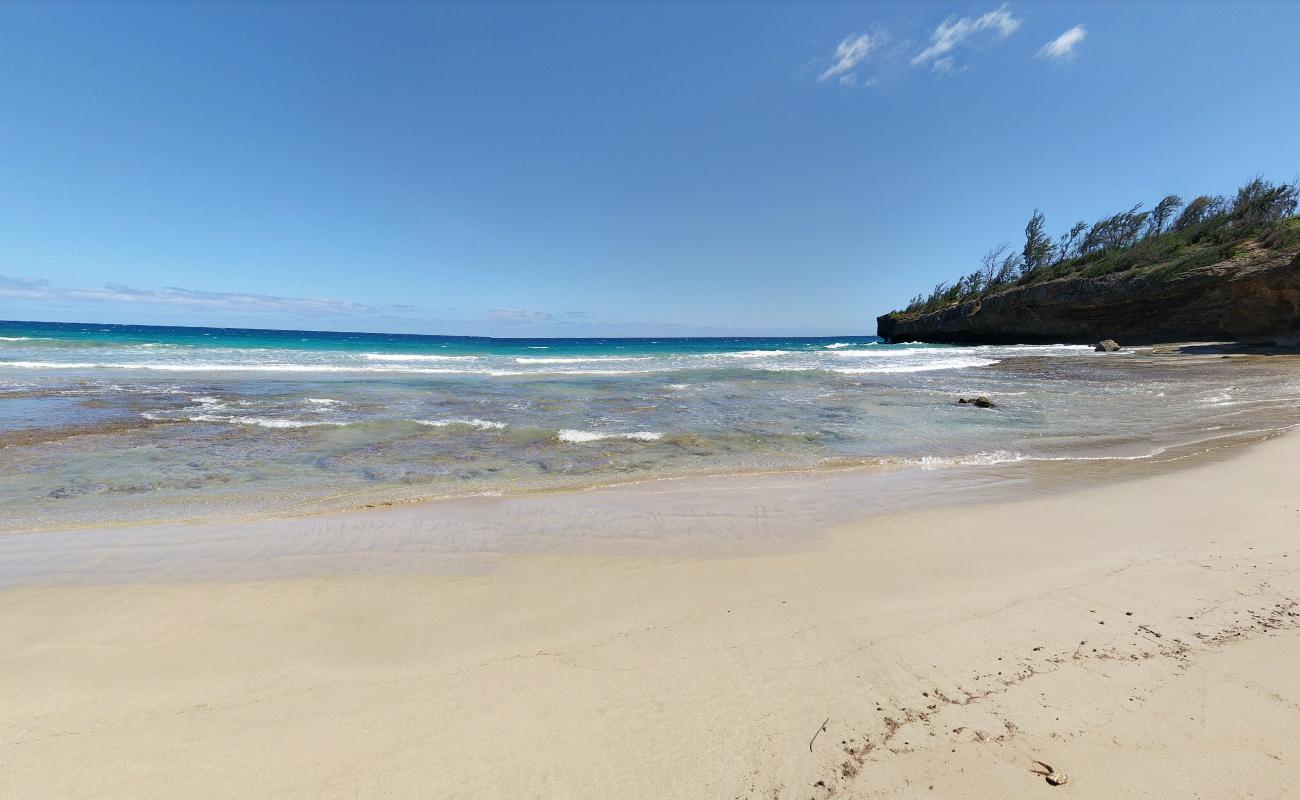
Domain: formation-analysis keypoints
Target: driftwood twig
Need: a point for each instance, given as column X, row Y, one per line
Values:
column 818, row 733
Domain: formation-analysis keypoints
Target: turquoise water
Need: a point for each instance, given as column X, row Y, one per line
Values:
column 125, row 423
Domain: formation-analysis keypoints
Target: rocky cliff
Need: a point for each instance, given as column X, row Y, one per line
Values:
column 1255, row 296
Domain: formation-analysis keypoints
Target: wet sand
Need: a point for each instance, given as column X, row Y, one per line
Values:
column 1139, row 636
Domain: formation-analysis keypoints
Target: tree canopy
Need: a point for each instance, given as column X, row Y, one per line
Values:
column 1208, row 229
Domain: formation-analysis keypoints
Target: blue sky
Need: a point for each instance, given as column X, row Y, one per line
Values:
column 596, row 169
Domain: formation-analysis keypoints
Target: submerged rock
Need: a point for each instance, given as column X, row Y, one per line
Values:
column 978, row 402
column 1107, row 346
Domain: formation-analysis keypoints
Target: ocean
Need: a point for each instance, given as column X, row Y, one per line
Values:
column 123, row 423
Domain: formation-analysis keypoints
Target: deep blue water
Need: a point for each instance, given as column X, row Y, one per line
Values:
column 351, row 341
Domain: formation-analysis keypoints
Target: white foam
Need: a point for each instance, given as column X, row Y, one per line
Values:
column 945, row 363
column 260, row 422
column 414, row 357
column 990, row 457
column 548, row 372
column 273, row 422
column 1037, row 349
column 890, row 366
column 983, row 458
column 594, row 436
column 322, row 401
column 481, row 424
column 929, row 352
column 590, row 360
column 757, row 353
column 838, row 345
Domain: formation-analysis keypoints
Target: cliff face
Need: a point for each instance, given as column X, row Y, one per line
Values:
column 1254, row 297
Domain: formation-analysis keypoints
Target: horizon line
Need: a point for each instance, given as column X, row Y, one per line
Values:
column 419, row 335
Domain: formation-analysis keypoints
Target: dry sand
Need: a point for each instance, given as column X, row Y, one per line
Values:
column 1141, row 637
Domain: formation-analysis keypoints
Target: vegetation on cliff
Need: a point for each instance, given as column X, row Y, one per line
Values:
column 1166, row 240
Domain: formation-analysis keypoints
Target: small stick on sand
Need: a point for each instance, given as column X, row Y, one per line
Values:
column 818, row 733
column 1053, row 777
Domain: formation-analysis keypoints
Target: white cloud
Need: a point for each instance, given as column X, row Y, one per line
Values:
column 945, row 66
column 173, row 300
column 1062, row 47
column 521, row 315
column 848, row 55
column 37, row 289
column 956, row 32
column 37, row 298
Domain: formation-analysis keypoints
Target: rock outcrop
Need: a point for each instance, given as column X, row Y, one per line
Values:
column 1107, row 346
column 1255, row 296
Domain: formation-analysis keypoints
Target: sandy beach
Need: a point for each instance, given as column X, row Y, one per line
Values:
column 1139, row 636
column 649, row 401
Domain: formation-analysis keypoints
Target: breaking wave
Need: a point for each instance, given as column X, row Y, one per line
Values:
column 595, row 436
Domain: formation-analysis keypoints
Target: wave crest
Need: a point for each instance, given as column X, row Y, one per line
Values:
column 414, row 357
column 481, row 424
column 569, row 435
column 580, row 360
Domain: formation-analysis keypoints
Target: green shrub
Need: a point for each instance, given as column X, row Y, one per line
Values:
column 1278, row 237
column 1209, row 230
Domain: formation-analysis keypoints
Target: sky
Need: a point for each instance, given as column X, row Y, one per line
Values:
column 602, row 169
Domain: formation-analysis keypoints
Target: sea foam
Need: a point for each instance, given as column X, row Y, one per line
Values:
column 481, row 424
column 576, row 360
column 595, row 436
column 414, row 357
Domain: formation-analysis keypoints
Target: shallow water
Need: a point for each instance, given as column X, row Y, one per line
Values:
column 103, row 424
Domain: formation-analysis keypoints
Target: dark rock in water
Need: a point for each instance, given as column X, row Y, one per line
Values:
column 1107, row 346
column 978, row 402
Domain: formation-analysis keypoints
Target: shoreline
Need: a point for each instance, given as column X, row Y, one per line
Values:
column 716, row 516
column 949, row 648
column 316, row 471
column 868, row 468
column 864, row 468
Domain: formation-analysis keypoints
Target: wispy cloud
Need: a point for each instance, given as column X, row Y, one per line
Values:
column 957, row 32
column 946, row 66
column 848, row 55
column 1062, row 47
column 174, row 296
column 37, row 298
column 172, row 302
column 520, row 315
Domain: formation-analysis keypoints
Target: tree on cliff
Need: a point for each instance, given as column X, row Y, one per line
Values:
column 1260, row 202
column 1209, row 230
column 1069, row 244
column 1038, row 245
column 1115, row 232
column 1008, row 268
column 998, row 266
column 1162, row 214
column 1197, row 211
